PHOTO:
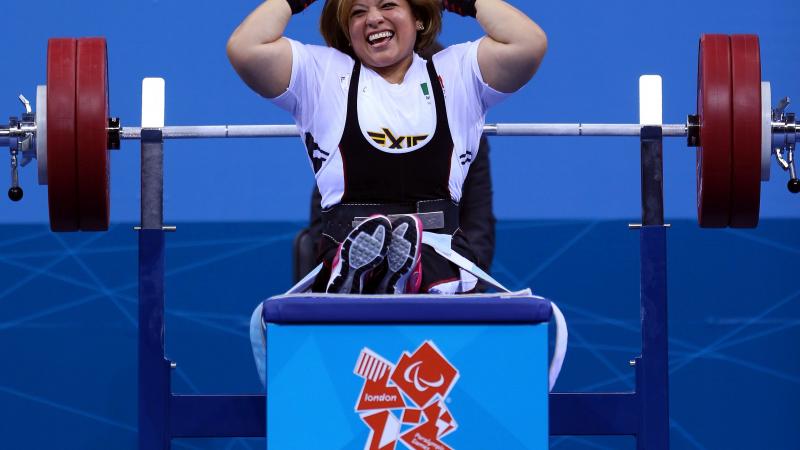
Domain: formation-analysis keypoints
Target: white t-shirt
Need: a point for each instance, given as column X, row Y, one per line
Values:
column 395, row 118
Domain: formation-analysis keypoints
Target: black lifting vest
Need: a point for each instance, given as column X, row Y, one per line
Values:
column 386, row 183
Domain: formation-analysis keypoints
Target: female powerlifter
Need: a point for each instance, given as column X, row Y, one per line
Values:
column 390, row 136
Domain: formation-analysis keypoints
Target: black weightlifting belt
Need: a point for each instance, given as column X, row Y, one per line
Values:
column 440, row 216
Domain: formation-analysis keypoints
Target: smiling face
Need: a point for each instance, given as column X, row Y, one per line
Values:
column 383, row 33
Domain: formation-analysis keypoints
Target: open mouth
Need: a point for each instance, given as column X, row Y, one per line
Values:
column 377, row 39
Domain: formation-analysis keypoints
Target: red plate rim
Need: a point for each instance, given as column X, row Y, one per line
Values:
column 746, row 135
column 714, row 109
column 62, row 192
column 92, row 135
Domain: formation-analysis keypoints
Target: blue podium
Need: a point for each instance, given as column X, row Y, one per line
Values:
column 398, row 372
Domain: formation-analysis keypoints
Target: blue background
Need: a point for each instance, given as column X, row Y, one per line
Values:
column 68, row 302
column 596, row 54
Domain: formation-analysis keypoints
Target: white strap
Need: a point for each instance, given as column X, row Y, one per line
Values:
column 442, row 244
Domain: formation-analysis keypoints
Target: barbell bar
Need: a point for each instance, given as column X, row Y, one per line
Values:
column 736, row 131
column 499, row 129
column 268, row 131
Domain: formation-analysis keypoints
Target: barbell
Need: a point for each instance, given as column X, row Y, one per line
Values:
column 736, row 132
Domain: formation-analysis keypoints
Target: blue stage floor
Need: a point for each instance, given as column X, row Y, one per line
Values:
column 68, row 324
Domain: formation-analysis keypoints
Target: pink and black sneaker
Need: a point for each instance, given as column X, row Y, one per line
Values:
column 403, row 262
column 361, row 251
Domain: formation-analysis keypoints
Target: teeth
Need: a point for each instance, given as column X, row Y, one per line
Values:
column 382, row 34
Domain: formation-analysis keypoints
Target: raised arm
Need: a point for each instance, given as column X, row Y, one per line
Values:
column 514, row 46
column 258, row 52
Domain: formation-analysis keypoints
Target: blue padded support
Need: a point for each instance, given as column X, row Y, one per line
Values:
column 338, row 308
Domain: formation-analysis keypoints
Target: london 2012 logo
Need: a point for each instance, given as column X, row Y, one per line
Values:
column 405, row 402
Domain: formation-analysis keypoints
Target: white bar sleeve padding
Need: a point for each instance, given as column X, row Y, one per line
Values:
column 153, row 103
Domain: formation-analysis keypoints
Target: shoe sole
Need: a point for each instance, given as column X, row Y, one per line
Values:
column 363, row 249
column 403, row 252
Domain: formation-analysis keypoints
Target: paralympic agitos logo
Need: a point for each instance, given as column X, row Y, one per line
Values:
column 405, row 402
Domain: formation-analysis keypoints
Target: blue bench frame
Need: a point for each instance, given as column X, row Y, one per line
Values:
column 643, row 413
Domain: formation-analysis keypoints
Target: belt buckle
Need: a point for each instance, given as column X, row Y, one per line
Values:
column 433, row 220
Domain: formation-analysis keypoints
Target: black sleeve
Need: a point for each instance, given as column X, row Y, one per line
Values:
column 477, row 214
column 314, row 216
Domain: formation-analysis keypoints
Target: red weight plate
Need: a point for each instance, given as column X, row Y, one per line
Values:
column 62, row 192
column 91, row 118
column 746, row 132
column 715, row 112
